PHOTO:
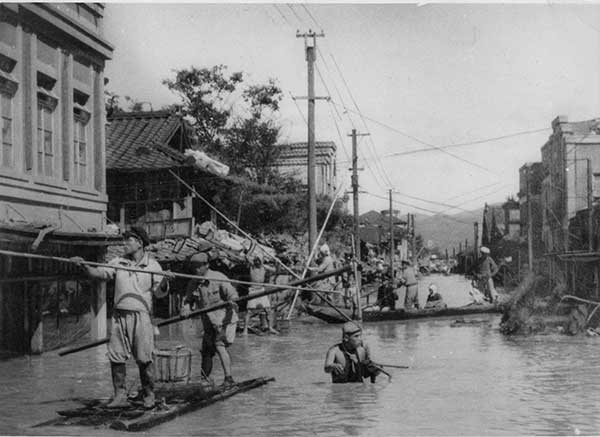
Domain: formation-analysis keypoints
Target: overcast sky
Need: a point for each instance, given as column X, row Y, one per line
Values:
column 423, row 76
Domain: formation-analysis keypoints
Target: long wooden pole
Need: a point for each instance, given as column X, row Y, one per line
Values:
column 313, row 251
column 133, row 269
column 212, row 308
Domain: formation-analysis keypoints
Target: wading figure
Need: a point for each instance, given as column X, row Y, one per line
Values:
column 262, row 305
column 220, row 325
column 349, row 360
column 132, row 332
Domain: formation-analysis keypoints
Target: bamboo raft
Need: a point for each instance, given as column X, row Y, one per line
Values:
column 330, row 316
column 176, row 400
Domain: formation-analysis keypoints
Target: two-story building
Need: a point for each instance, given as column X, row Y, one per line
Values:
column 52, row 175
column 293, row 161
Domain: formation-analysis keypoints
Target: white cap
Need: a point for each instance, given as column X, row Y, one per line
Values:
column 484, row 249
column 325, row 248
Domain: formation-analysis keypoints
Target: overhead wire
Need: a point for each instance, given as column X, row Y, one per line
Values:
column 378, row 163
column 432, row 146
column 417, row 207
column 378, row 178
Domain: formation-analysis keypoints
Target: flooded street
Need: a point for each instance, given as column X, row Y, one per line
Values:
column 462, row 380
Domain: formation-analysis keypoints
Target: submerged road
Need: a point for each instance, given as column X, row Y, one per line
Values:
column 467, row 380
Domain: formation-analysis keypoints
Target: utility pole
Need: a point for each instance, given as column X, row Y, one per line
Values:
column 312, row 196
column 590, row 202
column 475, row 240
column 529, row 222
column 391, row 238
column 355, row 185
column 357, row 254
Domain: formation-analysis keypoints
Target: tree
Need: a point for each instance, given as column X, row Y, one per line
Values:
column 251, row 143
column 205, row 94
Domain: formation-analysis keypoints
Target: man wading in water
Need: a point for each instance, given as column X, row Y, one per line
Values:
column 132, row 332
column 349, row 360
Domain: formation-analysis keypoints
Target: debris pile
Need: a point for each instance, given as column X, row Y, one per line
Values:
column 537, row 308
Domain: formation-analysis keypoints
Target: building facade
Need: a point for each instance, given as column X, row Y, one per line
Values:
column 512, row 218
column 531, row 176
column 571, row 162
column 293, row 161
column 52, row 175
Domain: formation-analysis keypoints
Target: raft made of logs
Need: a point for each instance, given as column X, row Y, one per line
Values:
column 175, row 400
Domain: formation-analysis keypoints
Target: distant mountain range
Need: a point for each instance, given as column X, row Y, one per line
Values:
column 447, row 231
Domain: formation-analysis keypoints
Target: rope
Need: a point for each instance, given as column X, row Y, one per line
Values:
column 245, row 234
column 224, row 217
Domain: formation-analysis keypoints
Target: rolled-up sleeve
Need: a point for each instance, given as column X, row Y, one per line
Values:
column 156, row 280
column 109, row 273
column 228, row 291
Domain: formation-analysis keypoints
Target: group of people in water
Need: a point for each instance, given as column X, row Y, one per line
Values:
column 132, row 332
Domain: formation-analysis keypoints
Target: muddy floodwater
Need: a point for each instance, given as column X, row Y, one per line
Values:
column 467, row 380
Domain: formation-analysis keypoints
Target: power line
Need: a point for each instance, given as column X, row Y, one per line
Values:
column 478, row 197
column 472, row 191
column 430, row 201
column 311, row 16
column 418, row 207
column 432, row 146
column 282, row 15
column 295, row 13
column 377, row 159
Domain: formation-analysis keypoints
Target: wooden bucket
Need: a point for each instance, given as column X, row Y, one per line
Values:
column 172, row 365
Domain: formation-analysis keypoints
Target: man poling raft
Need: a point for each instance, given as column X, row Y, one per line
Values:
column 349, row 361
column 132, row 332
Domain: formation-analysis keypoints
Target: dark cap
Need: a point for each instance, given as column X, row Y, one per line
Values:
column 199, row 258
column 139, row 233
column 405, row 261
column 351, row 328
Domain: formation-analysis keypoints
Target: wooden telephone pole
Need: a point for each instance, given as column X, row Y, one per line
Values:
column 355, row 186
column 391, row 238
column 312, row 196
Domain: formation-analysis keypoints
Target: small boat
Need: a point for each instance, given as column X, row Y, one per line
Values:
column 176, row 400
column 329, row 315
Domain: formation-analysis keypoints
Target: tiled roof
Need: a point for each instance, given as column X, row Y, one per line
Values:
column 139, row 140
column 297, row 153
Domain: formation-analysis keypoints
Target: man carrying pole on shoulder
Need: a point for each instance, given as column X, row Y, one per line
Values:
column 220, row 325
column 132, row 332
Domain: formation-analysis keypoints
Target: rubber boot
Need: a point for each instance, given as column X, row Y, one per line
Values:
column 147, row 379
column 119, row 374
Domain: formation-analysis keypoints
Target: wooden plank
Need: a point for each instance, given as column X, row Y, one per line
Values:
column 156, row 417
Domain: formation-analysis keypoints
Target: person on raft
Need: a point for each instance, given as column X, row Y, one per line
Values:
column 220, row 325
column 487, row 269
column 409, row 280
column 132, row 332
column 434, row 298
column 349, row 360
